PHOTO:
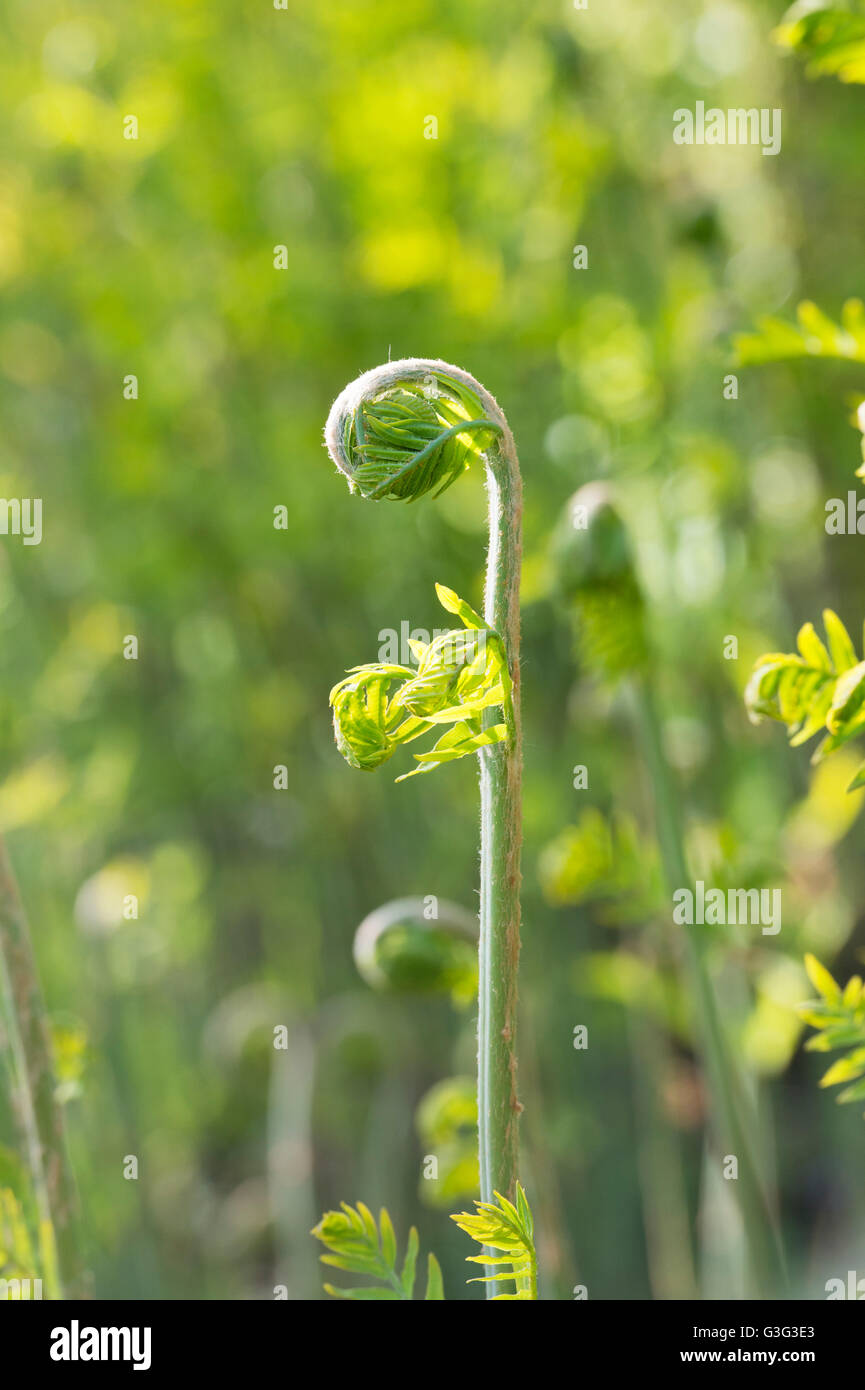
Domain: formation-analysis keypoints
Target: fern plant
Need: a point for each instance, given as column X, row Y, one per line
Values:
column 597, row 581
column 508, row 1228
column 358, row 1246
column 820, row 688
column 839, row 1017
column 813, row 335
column 398, row 432
column 459, row 676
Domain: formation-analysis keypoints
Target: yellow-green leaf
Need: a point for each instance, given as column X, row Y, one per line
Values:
column 821, row 979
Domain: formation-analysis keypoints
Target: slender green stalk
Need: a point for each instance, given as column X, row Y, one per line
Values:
column 737, row 1113
column 392, row 440
column 39, row 1112
column 501, row 833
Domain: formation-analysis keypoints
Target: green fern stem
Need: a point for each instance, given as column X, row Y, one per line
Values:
column 737, row 1113
column 506, row 1228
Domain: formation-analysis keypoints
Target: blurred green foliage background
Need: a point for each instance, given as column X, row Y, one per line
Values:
column 304, row 128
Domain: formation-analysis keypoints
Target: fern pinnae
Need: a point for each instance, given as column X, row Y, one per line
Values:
column 596, row 578
column 839, row 1018
column 830, row 39
column 819, row 688
column 507, row 1227
column 357, row 1246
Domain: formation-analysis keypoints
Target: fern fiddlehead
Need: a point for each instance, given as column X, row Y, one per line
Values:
column 402, row 430
column 820, row 689
column 459, row 676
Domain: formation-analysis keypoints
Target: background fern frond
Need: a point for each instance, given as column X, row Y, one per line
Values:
column 813, row 335
column 605, row 861
column 414, row 438
column 832, row 41
column 839, row 1017
column 595, row 578
column 460, row 674
column 819, row 688
column 358, row 1246
column 509, row 1228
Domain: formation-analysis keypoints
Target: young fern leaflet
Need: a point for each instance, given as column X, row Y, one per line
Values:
column 508, row 1228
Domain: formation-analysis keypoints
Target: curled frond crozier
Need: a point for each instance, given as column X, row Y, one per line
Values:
column 399, row 947
column 508, row 1228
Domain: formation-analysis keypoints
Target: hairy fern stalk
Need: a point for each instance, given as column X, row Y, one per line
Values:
column 398, row 432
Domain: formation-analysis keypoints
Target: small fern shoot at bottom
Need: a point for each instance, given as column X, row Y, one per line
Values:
column 508, row 1228
column 357, row 1245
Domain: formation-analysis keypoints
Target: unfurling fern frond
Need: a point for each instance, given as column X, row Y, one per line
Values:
column 814, row 689
column 502, row 1226
column 459, row 675
column 839, row 1015
column 602, row 861
column 358, row 1246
